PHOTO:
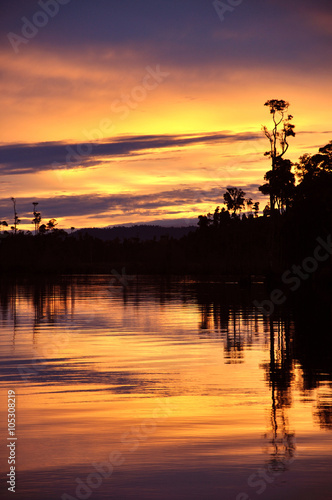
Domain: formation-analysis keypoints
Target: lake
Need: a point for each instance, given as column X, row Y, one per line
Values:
column 164, row 388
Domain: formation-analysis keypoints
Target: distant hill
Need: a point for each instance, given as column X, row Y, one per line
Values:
column 143, row 232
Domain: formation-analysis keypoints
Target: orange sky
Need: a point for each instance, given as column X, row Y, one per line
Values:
column 50, row 93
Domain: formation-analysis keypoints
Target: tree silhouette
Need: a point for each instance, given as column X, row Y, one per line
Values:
column 310, row 167
column 203, row 222
column 313, row 194
column 37, row 218
column 16, row 219
column 256, row 209
column 234, row 199
column 216, row 217
column 278, row 138
column 267, row 210
column 50, row 226
column 3, row 224
column 280, row 184
column 249, row 204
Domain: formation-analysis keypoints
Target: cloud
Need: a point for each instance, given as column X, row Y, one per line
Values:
column 31, row 158
column 186, row 33
column 183, row 33
column 99, row 205
column 68, row 77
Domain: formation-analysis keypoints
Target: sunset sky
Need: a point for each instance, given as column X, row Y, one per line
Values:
column 146, row 110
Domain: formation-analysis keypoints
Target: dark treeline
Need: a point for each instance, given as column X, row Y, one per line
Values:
column 239, row 239
column 230, row 249
column 142, row 231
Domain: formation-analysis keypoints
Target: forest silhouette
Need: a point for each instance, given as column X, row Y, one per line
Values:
column 239, row 240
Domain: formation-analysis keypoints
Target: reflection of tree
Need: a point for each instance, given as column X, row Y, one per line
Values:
column 8, row 307
column 234, row 339
column 237, row 324
column 226, row 315
column 279, row 373
column 313, row 350
column 50, row 301
column 324, row 408
column 13, row 304
column 280, row 442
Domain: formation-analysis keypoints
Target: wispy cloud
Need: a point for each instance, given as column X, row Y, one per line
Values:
column 30, row 158
column 101, row 205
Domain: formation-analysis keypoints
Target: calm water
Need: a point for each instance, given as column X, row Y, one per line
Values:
column 172, row 389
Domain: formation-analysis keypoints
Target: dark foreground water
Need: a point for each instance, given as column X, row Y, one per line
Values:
column 164, row 389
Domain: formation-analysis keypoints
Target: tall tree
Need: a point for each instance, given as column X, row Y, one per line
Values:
column 36, row 217
column 16, row 219
column 234, row 199
column 280, row 184
column 249, row 204
column 256, row 209
column 278, row 138
column 315, row 182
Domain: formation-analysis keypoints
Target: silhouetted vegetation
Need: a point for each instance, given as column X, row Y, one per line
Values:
column 236, row 239
column 280, row 180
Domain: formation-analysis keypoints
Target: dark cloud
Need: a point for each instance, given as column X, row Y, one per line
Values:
column 183, row 33
column 100, row 205
column 31, row 158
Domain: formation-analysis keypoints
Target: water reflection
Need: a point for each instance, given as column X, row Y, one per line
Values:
column 106, row 353
column 297, row 337
column 279, row 373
